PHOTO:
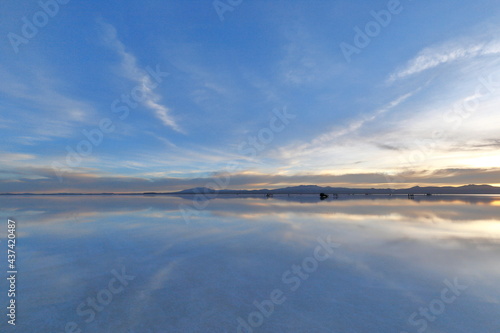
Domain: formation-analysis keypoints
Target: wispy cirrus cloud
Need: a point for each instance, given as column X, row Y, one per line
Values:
column 134, row 73
column 39, row 97
column 327, row 140
column 448, row 52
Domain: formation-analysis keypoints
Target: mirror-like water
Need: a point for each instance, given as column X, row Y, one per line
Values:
column 250, row 264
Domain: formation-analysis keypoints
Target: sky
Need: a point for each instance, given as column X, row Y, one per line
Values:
column 127, row 96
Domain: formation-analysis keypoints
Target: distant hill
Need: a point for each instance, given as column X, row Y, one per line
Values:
column 196, row 190
column 467, row 189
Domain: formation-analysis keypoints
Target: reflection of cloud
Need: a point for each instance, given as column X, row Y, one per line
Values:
column 61, row 210
column 159, row 280
column 394, row 249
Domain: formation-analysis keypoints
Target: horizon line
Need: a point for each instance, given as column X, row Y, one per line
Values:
column 243, row 191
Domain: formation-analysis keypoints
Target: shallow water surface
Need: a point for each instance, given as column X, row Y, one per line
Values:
column 249, row 264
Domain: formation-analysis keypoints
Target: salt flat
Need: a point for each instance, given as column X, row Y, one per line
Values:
column 251, row 264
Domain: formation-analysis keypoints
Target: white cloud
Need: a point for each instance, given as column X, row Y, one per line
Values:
column 434, row 56
column 12, row 157
column 132, row 71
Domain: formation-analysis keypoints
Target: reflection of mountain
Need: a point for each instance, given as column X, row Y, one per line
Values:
column 32, row 210
column 305, row 189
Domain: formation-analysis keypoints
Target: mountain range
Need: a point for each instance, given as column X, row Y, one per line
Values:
column 312, row 189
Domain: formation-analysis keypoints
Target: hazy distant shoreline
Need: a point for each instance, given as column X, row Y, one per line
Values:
column 309, row 189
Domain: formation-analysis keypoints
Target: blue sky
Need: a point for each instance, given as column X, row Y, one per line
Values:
column 261, row 94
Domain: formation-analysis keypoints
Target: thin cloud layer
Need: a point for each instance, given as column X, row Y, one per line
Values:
column 39, row 180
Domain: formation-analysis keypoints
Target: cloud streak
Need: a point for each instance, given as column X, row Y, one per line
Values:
column 132, row 71
column 432, row 57
column 327, row 140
